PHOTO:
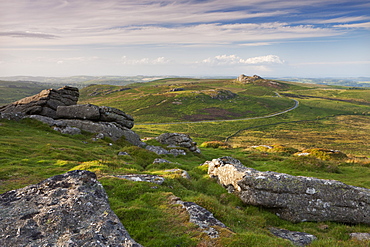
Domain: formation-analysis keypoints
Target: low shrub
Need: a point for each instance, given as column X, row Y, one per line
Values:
column 324, row 154
column 214, row 144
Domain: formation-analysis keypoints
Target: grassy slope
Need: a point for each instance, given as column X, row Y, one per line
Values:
column 30, row 152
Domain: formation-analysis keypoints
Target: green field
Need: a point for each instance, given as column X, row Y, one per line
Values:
column 327, row 117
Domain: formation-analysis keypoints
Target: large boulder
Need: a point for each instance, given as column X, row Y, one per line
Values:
column 293, row 198
column 45, row 103
column 95, row 113
column 178, row 140
column 71, row 209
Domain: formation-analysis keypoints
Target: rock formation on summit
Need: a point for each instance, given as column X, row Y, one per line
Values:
column 258, row 80
column 293, row 198
column 71, row 209
column 248, row 79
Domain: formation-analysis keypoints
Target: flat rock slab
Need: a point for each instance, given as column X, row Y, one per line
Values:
column 297, row 238
column 142, row 178
column 71, row 209
column 293, row 198
column 201, row 217
column 360, row 236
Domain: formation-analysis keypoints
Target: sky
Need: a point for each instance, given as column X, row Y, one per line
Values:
column 296, row 38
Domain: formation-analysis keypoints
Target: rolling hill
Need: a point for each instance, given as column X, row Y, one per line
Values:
column 210, row 111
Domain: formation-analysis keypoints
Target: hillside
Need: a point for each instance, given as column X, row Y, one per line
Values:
column 327, row 118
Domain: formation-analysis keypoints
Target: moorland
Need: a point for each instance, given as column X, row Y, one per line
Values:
column 259, row 123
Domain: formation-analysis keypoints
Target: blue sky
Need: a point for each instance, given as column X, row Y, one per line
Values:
column 311, row 38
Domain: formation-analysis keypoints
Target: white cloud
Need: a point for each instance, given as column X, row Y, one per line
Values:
column 342, row 19
column 355, row 25
column 113, row 22
column 235, row 60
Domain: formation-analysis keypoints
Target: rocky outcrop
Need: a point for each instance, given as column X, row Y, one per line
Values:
column 248, row 79
column 178, row 140
column 297, row 238
column 258, row 80
column 59, row 109
column 293, row 198
column 71, row 209
column 45, row 103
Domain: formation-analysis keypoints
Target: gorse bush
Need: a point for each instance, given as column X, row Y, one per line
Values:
column 214, row 144
column 325, row 154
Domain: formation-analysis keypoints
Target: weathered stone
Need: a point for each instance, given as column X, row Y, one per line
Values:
column 47, row 120
column 161, row 161
column 293, row 198
column 156, row 149
column 123, row 154
column 297, row 238
column 68, row 130
column 360, row 236
column 12, row 116
column 248, row 79
column 110, row 114
column 178, row 139
column 45, row 103
column 111, row 130
column 181, row 172
column 142, row 178
column 71, row 209
column 89, row 112
column 177, row 89
column 159, row 150
column 95, row 113
column 201, row 217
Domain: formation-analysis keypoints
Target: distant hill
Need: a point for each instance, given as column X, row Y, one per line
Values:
column 81, row 81
column 348, row 82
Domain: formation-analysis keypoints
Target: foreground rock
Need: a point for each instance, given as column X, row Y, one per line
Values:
column 45, row 103
column 65, row 210
column 178, row 140
column 293, row 198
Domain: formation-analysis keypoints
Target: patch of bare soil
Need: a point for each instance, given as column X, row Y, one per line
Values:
column 214, row 113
